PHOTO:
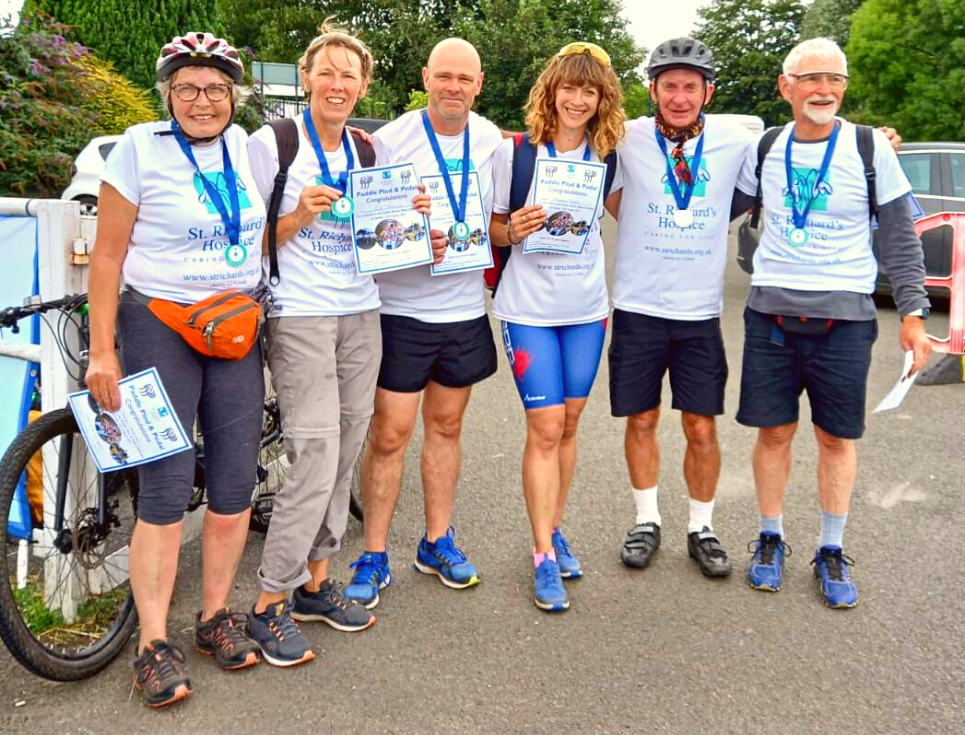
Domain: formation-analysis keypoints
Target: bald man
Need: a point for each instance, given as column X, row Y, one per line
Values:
column 436, row 339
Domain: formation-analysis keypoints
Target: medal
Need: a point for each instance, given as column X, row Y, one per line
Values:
column 798, row 236
column 683, row 218
column 236, row 255
column 804, row 189
column 342, row 182
column 461, row 231
column 343, row 206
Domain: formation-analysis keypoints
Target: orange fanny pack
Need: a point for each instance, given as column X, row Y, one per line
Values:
column 224, row 325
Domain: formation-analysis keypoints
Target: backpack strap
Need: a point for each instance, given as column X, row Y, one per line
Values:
column 611, row 171
column 866, row 148
column 286, row 138
column 763, row 148
column 524, row 166
column 365, row 150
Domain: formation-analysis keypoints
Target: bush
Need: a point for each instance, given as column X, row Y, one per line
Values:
column 54, row 97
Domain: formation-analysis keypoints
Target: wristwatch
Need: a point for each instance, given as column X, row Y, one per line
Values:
column 922, row 312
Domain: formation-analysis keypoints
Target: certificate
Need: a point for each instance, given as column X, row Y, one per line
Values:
column 387, row 232
column 144, row 429
column 570, row 194
column 472, row 251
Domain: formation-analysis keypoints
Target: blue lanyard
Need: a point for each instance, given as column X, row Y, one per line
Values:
column 458, row 207
column 232, row 220
column 682, row 198
column 800, row 218
column 342, row 183
column 551, row 149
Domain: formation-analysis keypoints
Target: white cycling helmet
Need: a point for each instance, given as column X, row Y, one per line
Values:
column 199, row 49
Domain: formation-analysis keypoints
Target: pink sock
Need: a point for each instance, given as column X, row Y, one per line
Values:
column 540, row 558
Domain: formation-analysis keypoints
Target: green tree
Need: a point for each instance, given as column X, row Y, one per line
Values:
column 129, row 33
column 829, row 19
column 514, row 38
column 907, row 64
column 750, row 39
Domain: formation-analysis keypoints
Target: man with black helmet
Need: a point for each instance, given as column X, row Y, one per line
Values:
column 672, row 195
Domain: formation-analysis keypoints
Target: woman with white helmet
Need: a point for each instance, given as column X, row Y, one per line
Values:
column 176, row 222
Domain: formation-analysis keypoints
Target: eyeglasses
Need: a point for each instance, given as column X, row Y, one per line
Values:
column 582, row 47
column 214, row 92
column 813, row 79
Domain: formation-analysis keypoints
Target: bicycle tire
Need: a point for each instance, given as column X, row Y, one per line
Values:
column 272, row 468
column 104, row 626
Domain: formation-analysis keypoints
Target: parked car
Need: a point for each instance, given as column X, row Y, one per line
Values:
column 937, row 175
column 85, row 173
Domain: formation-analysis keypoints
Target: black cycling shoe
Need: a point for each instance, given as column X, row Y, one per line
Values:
column 640, row 545
column 705, row 549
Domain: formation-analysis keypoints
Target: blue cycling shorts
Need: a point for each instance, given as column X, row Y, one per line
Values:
column 551, row 364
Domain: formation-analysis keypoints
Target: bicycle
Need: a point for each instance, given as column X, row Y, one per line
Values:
column 84, row 552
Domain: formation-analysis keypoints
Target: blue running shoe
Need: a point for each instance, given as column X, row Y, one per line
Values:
column 371, row 575
column 444, row 559
column 831, row 569
column 548, row 585
column 766, row 570
column 570, row 567
column 280, row 640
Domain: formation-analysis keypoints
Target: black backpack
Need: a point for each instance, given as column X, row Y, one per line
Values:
column 748, row 237
column 286, row 137
column 524, row 166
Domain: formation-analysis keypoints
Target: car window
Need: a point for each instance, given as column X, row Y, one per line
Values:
column 917, row 167
column 105, row 149
column 957, row 165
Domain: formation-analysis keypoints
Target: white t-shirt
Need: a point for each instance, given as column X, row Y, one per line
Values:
column 317, row 264
column 178, row 243
column 662, row 270
column 548, row 289
column 837, row 255
column 414, row 292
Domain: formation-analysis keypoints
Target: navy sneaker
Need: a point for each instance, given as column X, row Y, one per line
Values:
column 831, row 569
column 548, row 586
column 280, row 640
column 328, row 605
column 570, row 567
column 371, row 575
column 766, row 570
column 224, row 638
column 444, row 559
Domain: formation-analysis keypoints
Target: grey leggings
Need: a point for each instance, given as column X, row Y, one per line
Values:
column 227, row 396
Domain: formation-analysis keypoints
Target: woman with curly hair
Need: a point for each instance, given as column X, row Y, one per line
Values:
column 554, row 306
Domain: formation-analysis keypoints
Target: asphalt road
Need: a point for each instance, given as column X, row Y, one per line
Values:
column 658, row 651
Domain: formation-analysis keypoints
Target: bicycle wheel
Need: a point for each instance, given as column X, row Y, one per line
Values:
column 272, row 466
column 66, row 609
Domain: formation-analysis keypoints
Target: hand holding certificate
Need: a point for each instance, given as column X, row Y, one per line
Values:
column 389, row 233
column 144, row 429
column 570, row 192
column 468, row 238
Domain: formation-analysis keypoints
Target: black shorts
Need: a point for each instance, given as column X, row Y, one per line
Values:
column 832, row 367
column 643, row 348
column 456, row 354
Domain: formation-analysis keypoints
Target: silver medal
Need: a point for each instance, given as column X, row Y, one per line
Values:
column 683, row 218
column 461, row 231
column 343, row 206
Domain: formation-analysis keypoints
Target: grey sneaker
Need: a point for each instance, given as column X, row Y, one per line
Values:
column 280, row 640
column 329, row 606
column 224, row 638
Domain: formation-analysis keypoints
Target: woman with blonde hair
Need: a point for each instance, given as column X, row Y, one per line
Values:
column 324, row 348
column 554, row 306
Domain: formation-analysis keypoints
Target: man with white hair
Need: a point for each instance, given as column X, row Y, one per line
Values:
column 810, row 320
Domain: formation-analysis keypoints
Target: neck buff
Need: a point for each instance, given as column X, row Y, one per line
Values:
column 679, row 136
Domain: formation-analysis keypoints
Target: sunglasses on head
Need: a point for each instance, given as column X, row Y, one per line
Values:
column 582, row 47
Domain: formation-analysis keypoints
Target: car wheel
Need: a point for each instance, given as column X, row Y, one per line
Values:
column 88, row 205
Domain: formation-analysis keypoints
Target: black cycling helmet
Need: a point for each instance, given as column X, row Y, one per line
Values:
column 682, row 53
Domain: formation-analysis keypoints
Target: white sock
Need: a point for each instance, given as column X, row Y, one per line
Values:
column 646, row 501
column 701, row 515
